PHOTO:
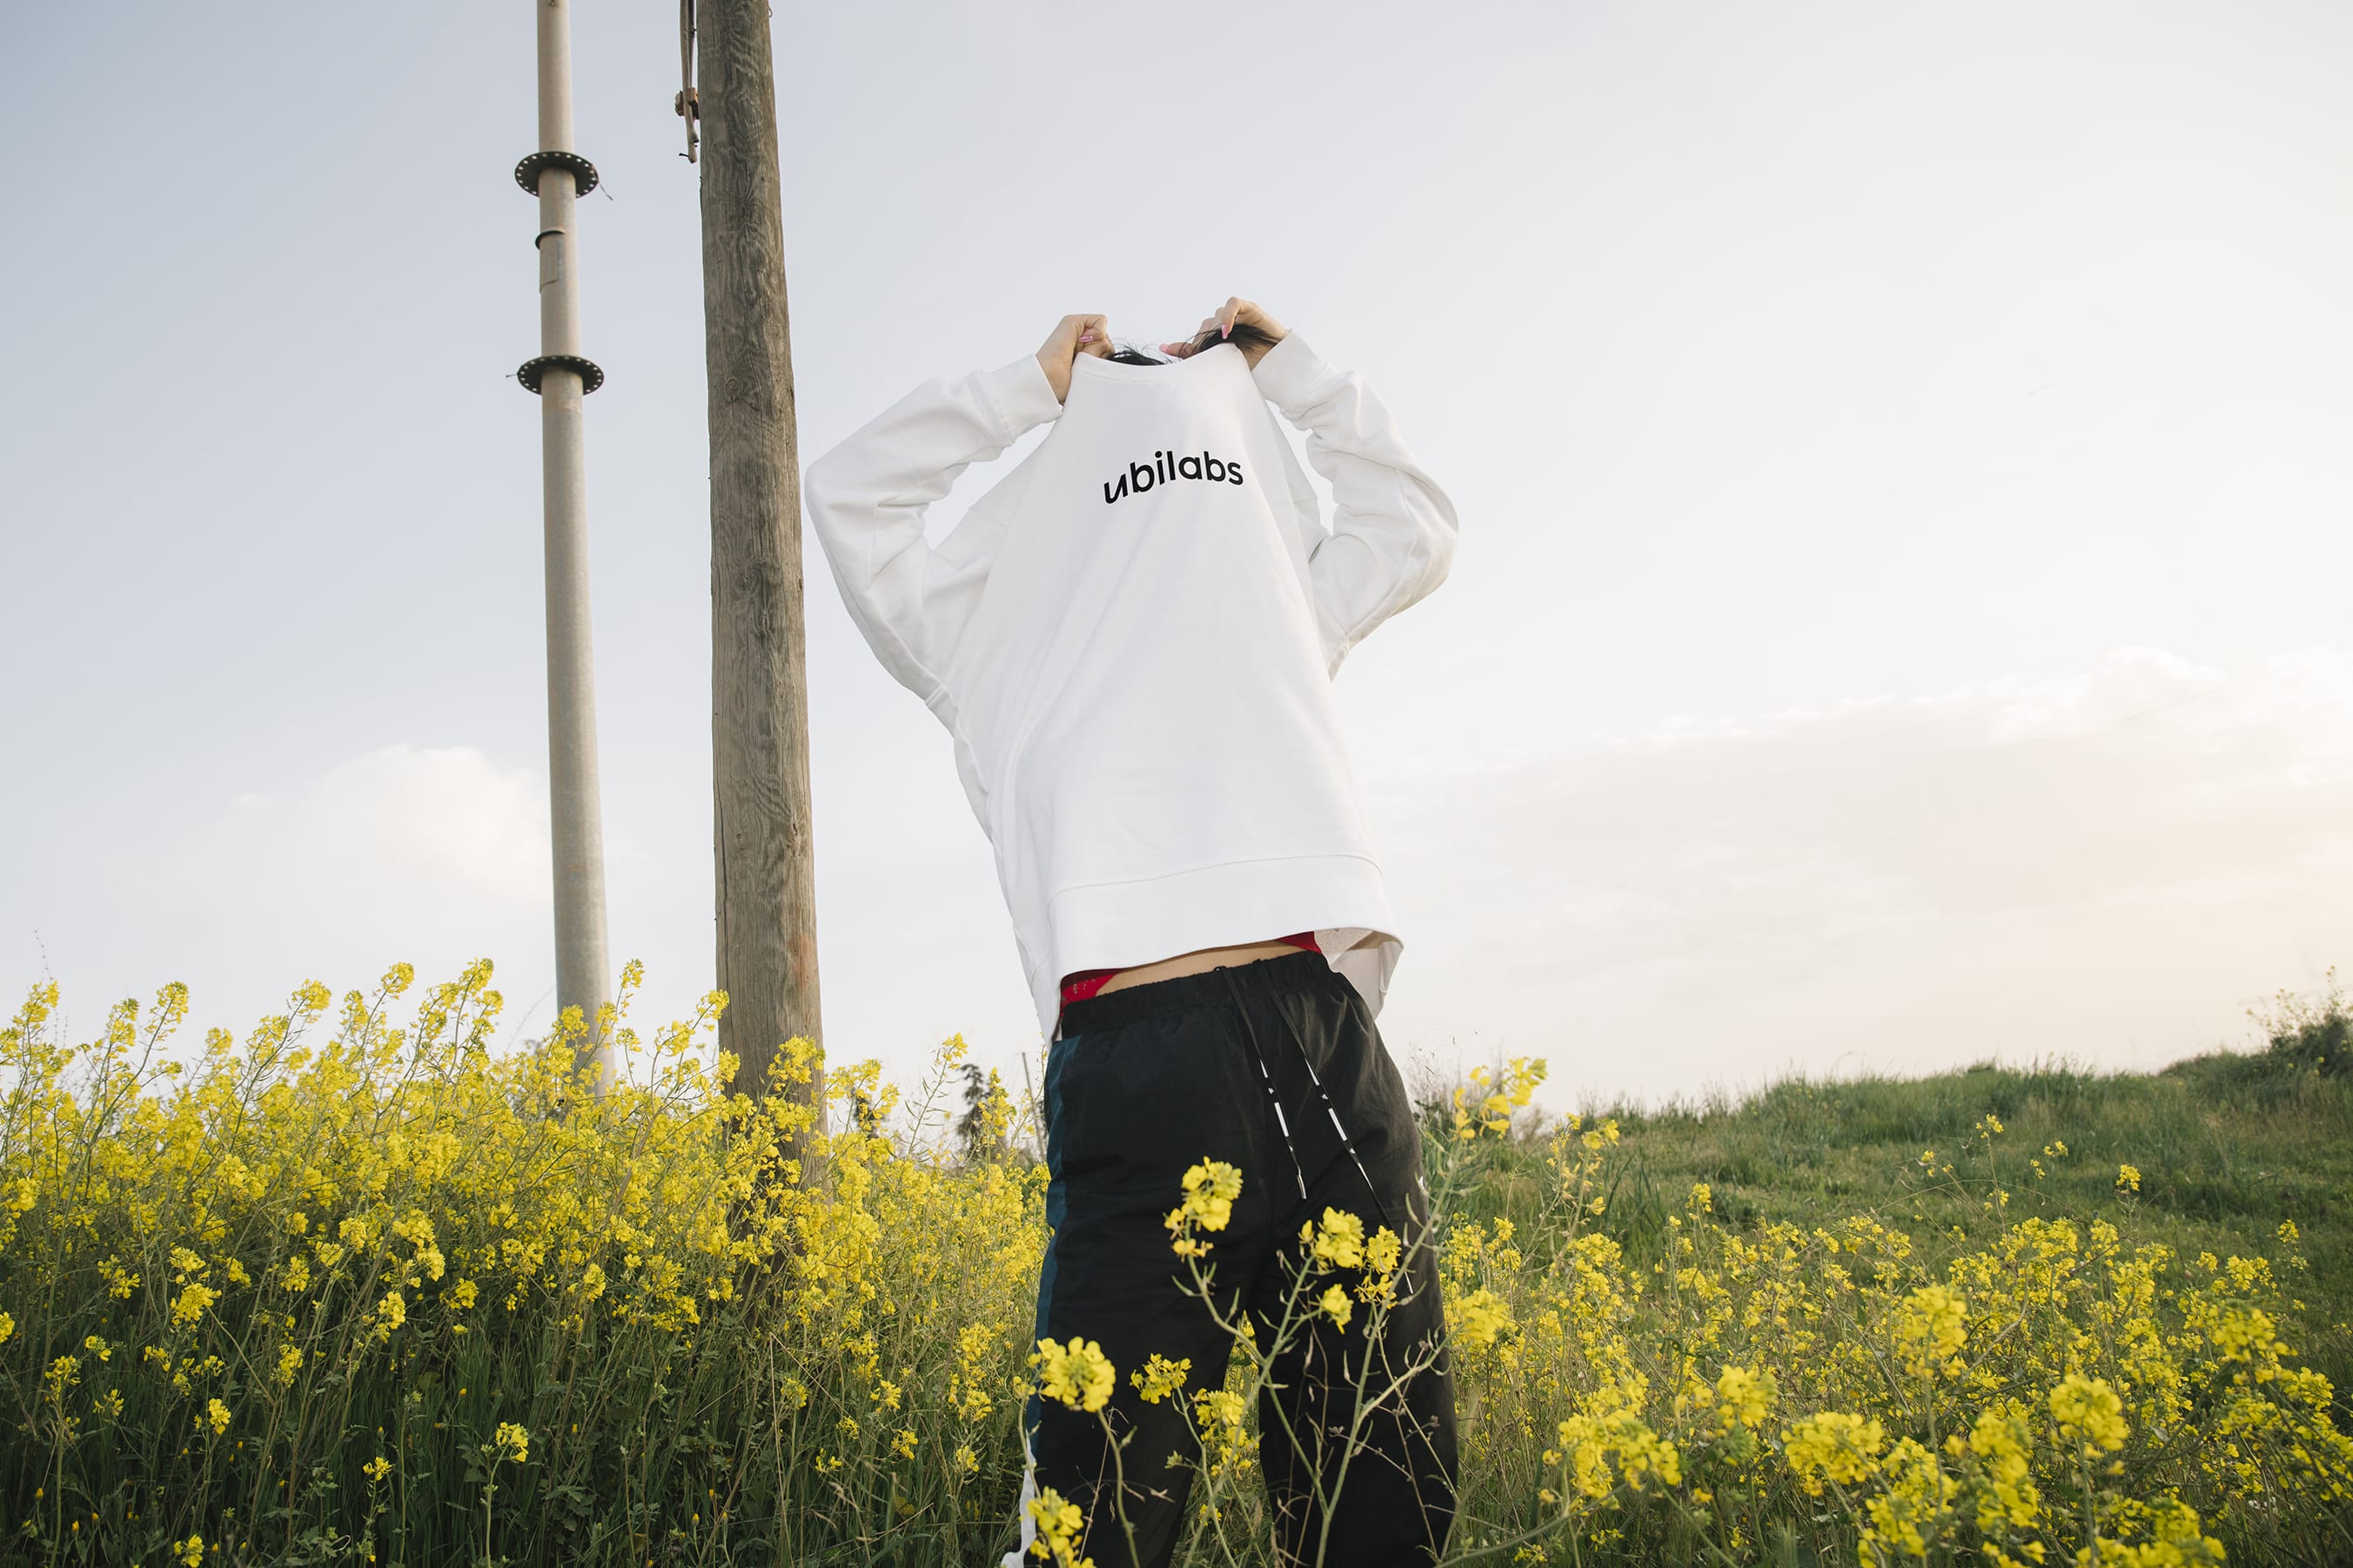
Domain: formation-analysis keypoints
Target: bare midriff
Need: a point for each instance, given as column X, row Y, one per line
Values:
column 1199, row 962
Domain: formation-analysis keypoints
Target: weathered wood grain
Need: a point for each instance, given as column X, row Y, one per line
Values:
column 759, row 693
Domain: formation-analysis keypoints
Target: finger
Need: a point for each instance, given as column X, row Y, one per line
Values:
column 1232, row 315
column 1082, row 334
column 1177, row 350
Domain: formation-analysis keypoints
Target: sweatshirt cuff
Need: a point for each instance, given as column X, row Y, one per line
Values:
column 1022, row 396
column 1293, row 374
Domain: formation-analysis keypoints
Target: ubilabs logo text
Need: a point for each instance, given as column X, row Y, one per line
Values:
column 1166, row 467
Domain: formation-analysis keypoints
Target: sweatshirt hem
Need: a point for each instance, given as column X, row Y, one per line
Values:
column 1116, row 925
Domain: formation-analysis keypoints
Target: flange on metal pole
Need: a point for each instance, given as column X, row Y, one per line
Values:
column 559, row 177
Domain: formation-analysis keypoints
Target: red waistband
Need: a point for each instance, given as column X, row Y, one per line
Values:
column 1078, row 987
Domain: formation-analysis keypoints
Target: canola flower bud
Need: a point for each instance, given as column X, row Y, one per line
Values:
column 1159, row 1377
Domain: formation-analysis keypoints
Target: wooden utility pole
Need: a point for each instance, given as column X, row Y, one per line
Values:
column 759, row 689
column 559, row 176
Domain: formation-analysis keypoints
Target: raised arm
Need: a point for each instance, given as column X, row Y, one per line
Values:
column 867, row 495
column 1393, row 529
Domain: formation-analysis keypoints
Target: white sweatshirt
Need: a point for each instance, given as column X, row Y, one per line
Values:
column 1132, row 637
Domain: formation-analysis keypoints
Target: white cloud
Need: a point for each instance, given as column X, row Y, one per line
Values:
column 397, row 825
column 432, row 855
column 2108, row 866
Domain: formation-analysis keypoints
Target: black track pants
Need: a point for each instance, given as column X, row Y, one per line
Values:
column 1146, row 1082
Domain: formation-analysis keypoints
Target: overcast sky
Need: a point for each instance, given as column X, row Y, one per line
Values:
column 1904, row 458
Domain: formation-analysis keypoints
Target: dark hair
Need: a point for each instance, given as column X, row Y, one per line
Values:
column 1245, row 335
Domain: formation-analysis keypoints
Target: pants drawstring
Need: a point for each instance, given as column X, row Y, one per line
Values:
column 1347, row 1142
column 1250, row 1033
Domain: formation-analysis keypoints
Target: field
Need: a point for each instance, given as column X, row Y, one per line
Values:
column 355, row 1290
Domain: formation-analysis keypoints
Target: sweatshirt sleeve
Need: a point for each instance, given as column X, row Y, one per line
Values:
column 867, row 499
column 1393, row 530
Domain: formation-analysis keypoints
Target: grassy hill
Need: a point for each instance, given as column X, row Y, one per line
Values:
column 2230, row 1147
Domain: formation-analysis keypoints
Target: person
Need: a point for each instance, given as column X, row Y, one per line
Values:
column 1131, row 639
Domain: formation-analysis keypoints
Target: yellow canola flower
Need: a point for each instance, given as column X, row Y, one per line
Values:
column 1075, row 1374
column 1744, row 1398
column 1210, row 1189
column 1479, row 1320
column 1832, row 1446
column 2127, row 1178
column 1337, row 1306
column 2175, row 1540
column 512, row 1441
column 2003, row 1447
column 1059, row 1524
column 1912, row 1512
column 2089, row 1412
column 1589, row 1443
column 1930, row 1327
column 1337, row 1243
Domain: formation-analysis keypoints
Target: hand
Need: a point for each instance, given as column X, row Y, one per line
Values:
column 1072, row 336
column 1267, row 332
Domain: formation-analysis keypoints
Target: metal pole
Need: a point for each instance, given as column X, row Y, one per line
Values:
column 759, row 694
column 561, row 377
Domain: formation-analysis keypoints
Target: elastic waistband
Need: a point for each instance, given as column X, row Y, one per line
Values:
column 1191, row 992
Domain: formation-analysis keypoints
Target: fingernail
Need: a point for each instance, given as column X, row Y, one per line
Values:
column 1227, row 330
column 1086, row 337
